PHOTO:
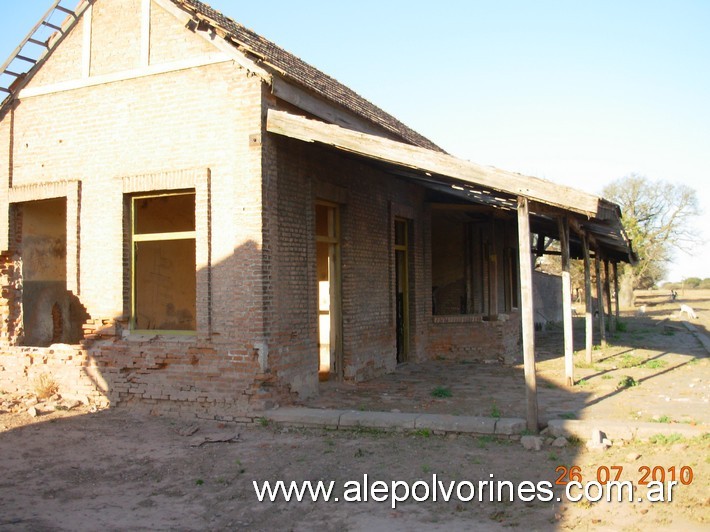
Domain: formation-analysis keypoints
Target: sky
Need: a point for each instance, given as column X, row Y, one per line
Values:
column 581, row 93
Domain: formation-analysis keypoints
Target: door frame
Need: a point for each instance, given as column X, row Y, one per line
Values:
column 336, row 318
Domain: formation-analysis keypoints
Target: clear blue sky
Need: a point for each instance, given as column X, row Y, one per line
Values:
column 580, row 93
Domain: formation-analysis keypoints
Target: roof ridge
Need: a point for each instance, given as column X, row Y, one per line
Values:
column 306, row 75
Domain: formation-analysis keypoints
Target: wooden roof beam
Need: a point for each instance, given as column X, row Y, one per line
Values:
column 539, row 190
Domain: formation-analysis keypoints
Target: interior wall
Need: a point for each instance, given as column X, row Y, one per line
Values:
column 51, row 314
column 448, row 278
column 164, row 269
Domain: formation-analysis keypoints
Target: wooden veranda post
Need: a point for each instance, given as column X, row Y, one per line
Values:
column 566, row 300
column 616, row 290
column 588, row 321
column 526, row 292
column 607, row 295
column 600, row 298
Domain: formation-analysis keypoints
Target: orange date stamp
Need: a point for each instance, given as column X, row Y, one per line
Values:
column 606, row 474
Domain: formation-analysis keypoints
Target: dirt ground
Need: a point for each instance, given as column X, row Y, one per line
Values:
column 669, row 367
column 119, row 469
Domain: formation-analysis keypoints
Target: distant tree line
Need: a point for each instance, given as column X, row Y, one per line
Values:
column 689, row 283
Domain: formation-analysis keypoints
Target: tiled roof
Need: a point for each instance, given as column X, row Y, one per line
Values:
column 307, row 76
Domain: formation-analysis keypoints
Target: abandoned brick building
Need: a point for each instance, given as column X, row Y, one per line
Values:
column 198, row 220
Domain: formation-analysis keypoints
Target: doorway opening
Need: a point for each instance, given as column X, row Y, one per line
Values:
column 330, row 352
column 401, row 267
column 50, row 313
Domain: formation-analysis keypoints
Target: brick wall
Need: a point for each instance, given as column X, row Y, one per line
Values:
column 203, row 128
column 471, row 338
column 189, row 128
column 368, row 200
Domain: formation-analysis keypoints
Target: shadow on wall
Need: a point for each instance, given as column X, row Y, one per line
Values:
column 52, row 314
column 223, row 370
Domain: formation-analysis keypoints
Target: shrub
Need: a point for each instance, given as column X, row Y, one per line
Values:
column 45, row 386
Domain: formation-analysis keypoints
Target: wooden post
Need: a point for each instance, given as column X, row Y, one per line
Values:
column 616, row 290
column 493, row 274
column 526, row 292
column 607, row 294
column 588, row 321
column 566, row 300
column 600, row 298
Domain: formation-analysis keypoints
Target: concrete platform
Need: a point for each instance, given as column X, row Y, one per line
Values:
column 350, row 419
column 476, row 425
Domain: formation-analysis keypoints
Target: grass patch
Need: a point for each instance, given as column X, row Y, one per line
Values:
column 423, row 433
column 582, row 383
column 44, row 386
column 627, row 381
column 662, row 419
column 370, row 431
column 583, row 364
column 482, row 442
column 568, row 415
column 662, row 439
column 621, row 326
column 607, row 377
column 441, row 392
column 654, row 364
column 495, row 411
column 629, row 361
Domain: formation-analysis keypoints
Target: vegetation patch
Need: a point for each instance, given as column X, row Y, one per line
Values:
column 627, row 381
column 441, row 392
column 654, row 364
column 629, row 361
column 662, row 439
column 45, row 386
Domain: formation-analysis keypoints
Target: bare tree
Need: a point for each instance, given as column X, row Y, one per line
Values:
column 657, row 216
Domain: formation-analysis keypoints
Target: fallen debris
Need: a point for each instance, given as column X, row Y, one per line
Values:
column 202, row 440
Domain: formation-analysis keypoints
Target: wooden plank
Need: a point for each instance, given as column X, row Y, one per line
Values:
column 323, row 109
column 567, row 301
column 589, row 320
column 398, row 153
column 607, row 295
column 600, row 300
column 493, row 274
column 526, row 292
column 616, row 290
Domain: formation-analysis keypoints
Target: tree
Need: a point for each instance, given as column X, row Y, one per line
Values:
column 657, row 217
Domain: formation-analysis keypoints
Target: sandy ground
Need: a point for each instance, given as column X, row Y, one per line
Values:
column 123, row 470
